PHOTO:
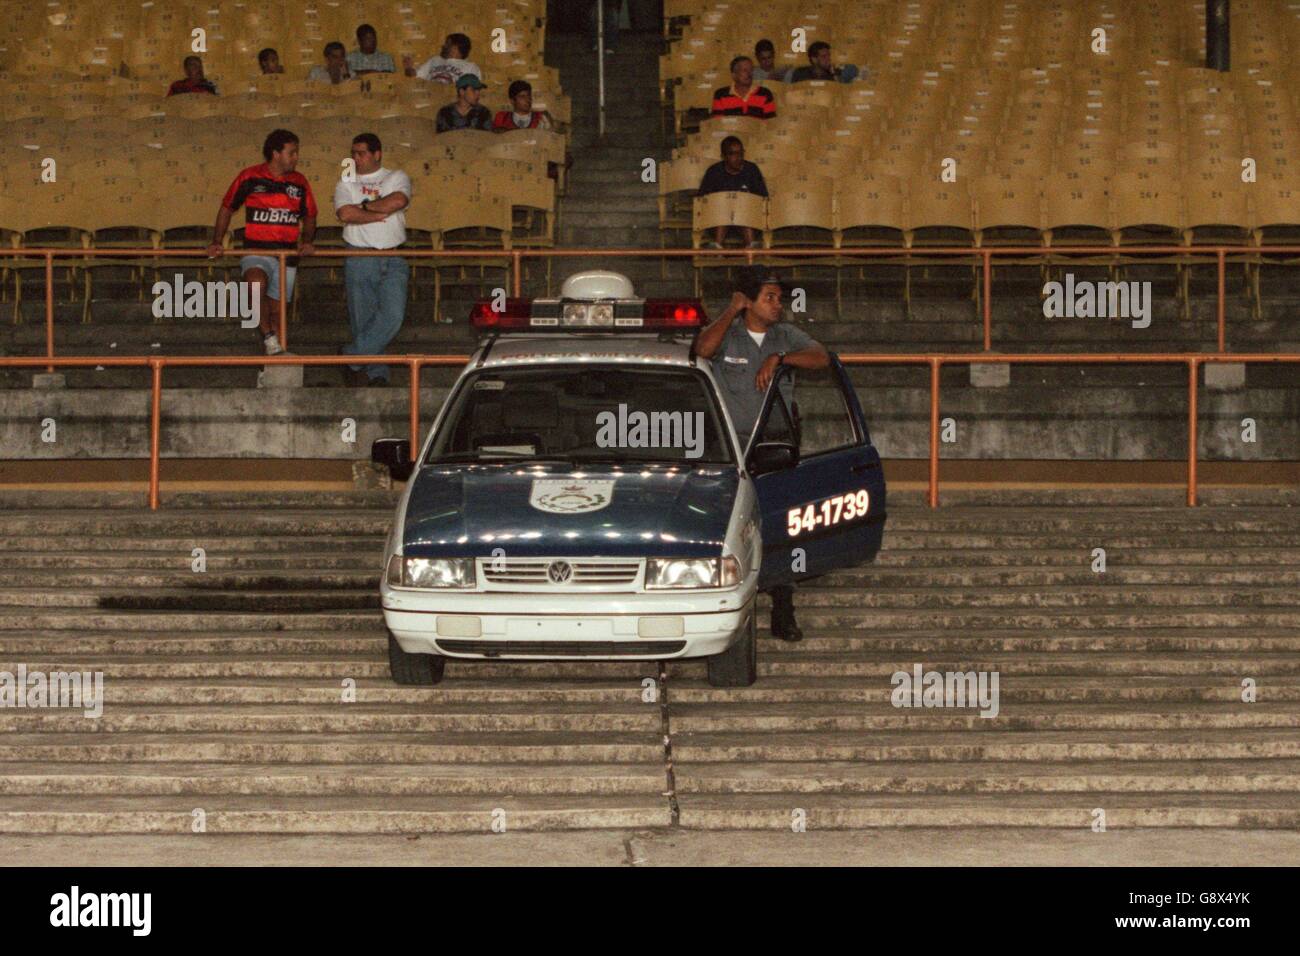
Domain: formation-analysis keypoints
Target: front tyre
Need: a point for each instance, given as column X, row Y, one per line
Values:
column 737, row 666
column 422, row 670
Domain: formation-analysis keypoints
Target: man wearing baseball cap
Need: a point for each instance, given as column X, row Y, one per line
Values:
column 746, row 344
column 466, row 112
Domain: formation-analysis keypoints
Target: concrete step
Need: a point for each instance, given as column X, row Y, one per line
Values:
column 1103, row 777
column 882, row 717
column 761, row 812
column 891, row 747
column 207, row 598
column 105, row 618
column 1052, row 688
column 396, row 780
column 317, row 748
column 225, row 692
column 332, row 814
column 370, row 644
column 362, row 575
column 338, row 718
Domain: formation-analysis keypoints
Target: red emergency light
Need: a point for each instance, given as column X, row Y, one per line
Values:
column 566, row 315
column 517, row 314
column 673, row 313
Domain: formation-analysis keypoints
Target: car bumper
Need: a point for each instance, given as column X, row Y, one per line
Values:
column 644, row 627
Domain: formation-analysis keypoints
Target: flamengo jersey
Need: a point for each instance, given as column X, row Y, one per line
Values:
column 274, row 206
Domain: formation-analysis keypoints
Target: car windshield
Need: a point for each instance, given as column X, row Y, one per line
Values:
column 583, row 413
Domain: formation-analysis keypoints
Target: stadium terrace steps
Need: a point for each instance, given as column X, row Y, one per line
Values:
column 606, row 203
column 1119, row 691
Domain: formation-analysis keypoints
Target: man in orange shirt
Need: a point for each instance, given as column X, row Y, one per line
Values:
column 743, row 97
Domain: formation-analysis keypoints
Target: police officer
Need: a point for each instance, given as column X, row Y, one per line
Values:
column 747, row 343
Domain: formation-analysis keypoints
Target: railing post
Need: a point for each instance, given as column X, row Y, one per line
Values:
column 933, row 495
column 284, row 311
column 155, row 427
column 1222, row 311
column 415, row 407
column 988, row 300
column 49, row 308
column 1192, row 365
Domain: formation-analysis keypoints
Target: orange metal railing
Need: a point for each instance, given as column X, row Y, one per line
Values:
column 416, row 362
column 862, row 255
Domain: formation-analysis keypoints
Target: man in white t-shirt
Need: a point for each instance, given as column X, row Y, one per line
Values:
column 370, row 205
column 449, row 66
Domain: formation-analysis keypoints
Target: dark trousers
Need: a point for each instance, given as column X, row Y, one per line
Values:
column 782, row 597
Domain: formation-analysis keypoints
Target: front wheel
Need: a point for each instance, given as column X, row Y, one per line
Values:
column 737, row 666
column 423, row 670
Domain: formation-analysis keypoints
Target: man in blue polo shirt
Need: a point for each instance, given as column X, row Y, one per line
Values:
column 734, row 174
column 746, row 344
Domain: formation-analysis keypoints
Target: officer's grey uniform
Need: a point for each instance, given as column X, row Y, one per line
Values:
column 737, row 361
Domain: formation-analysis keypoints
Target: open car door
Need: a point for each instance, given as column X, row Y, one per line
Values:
column 822, row 492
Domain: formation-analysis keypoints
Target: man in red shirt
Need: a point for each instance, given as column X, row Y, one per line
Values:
column 194, row 81
column 522, row 115
column 280, row 213
column 744, row 97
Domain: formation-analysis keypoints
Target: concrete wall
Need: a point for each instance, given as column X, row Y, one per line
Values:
column 1018, row 422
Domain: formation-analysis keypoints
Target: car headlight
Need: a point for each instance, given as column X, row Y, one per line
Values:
column 430, row 572
column 664, row 573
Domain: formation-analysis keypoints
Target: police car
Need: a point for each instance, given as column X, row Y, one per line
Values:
column 583, row 495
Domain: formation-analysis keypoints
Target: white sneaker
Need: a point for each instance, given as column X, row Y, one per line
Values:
column 272, row 344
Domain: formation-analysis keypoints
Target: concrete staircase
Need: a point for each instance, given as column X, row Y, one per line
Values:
column 225, row 689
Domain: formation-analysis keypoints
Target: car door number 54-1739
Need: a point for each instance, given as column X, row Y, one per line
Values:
column 829, row 513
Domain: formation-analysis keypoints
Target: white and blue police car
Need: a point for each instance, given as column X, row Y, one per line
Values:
column 583, row 494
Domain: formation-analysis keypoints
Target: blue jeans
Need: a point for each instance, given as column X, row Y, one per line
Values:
column 376, row 305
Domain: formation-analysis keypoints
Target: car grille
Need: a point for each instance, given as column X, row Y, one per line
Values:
column 585, row 573
column 562, row 648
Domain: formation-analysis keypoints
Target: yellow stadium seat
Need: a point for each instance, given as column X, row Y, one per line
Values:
column 800, row 212
column 728, row 209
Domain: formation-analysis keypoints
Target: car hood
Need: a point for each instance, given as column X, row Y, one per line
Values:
column 532, row 511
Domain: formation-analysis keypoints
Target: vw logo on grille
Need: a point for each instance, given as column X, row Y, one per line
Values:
column 559, row 572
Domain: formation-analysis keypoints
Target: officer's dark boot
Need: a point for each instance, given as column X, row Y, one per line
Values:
column 784, row 625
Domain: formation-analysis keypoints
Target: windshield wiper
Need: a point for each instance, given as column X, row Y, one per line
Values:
column 638, row 462
column 496, row 458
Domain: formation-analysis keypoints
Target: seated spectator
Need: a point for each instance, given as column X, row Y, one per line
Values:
column 733, row 174
column 449, row 66
column 522, row 116
column 269, row 61
column 335, row 69
column 767, row 69
column 466, row 112
column 744, row 97
column 820, row 68
column 194, row 81
column 367, row 58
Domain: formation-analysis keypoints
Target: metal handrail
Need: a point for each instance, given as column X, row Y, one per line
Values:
column 416, row 362
column 985, row 255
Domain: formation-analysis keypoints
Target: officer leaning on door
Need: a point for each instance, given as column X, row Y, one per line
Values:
column 746, row 344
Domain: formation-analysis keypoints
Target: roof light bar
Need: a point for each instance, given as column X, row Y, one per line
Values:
column 605, row 315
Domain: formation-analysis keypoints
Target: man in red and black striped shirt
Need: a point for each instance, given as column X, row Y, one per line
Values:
column 280, row 213
column 742, row 97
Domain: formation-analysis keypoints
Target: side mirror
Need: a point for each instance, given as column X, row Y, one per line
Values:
column 395, row 453
column 772, row 456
